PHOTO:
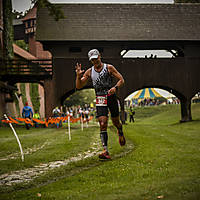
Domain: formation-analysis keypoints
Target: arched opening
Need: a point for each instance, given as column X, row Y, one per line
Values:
column 149, row 102
column 196, row 98
column 80, row 97
column 79, row 100
column 149, row 53
column 150, row 97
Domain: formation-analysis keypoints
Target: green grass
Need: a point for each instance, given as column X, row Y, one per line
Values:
column 161, row 159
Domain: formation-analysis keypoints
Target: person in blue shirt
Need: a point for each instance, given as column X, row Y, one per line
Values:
column 27, row 112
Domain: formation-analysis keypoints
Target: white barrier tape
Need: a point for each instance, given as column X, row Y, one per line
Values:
column 20, row 146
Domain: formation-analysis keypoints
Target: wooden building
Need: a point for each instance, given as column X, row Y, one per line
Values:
column 113, row 28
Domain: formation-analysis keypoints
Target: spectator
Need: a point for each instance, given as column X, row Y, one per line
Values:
column 36, row 116
column 56, row 113
column 87, row 115
column 131, row 114
column 27, row 112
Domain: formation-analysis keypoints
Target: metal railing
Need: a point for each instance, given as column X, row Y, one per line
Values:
column 35, row 69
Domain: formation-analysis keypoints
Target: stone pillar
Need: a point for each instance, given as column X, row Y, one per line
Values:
column 2, row 105
column 185, row 110
column 50, row 97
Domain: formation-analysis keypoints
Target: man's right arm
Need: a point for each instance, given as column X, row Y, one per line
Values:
column 81, row 80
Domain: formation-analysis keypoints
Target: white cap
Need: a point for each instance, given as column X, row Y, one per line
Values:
column 94, row 53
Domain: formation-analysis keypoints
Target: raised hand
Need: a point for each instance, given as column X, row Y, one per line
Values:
column 79, row 72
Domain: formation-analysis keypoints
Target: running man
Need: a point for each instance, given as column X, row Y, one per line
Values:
column 101, row 75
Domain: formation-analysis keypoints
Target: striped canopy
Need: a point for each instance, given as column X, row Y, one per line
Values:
column 146, row 93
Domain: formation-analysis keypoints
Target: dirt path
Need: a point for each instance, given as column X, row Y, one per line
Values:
column 29, row 174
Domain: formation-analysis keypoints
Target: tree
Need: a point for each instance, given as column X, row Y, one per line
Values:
column 81, row 97
column 54, row 10
column 22, row 44
column 17, row 15
column 8, row 29
column 8, row 16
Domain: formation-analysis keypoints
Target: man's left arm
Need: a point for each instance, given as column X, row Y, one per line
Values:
column 112, row 70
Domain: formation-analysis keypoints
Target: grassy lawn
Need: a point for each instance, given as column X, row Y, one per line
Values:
column 160, row 161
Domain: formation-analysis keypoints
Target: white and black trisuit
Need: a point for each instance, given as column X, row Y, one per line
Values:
column 102, row 82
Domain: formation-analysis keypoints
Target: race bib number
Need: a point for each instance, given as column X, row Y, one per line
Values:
column 101, row 101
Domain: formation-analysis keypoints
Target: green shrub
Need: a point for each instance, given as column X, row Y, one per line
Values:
column 34, row 96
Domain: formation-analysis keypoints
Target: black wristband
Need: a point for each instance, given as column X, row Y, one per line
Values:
column 116, row 87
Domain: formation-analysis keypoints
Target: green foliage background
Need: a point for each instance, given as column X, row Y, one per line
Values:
column 23, row 91
column 35, row 96
column 22, row 44
column 80, row 97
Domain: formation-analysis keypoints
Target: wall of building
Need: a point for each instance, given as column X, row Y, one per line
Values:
column 2, row 104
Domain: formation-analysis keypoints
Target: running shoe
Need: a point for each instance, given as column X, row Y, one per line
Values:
column 104, row 155
column 122, row 140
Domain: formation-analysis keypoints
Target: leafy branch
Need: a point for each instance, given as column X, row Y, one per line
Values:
column 54, row 10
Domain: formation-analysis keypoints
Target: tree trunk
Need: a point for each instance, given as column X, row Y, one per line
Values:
column 8, row 30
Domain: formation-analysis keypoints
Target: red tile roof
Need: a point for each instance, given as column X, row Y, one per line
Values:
column 23, row 53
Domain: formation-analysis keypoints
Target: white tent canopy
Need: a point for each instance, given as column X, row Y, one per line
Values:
column 162, row 92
